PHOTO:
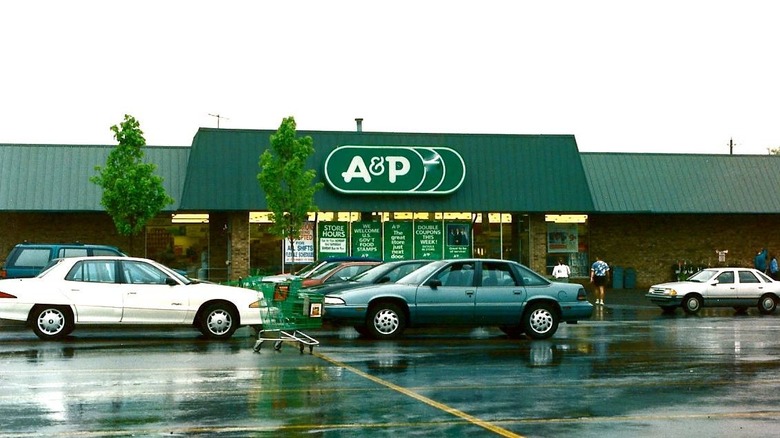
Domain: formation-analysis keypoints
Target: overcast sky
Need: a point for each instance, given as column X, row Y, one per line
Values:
column 623, row 76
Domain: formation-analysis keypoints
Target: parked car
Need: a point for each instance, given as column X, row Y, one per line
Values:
column 388, row 272
column 461, row 292
column 81, row 291
column 739, row 288
column 315, row 266
column 337, row 272
column 28, row 259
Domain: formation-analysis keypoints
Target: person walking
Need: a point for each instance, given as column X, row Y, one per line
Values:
column 759, row 261
column 561, row 272
column 773, row 268
column 598, row 276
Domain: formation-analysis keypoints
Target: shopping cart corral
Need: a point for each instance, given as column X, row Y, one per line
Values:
column 287, row 312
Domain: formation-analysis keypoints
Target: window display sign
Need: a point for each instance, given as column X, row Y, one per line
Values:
column 332, row 239
column 428, row 240
column 304, row 247
column 562, row 238
column 458, row 244
column 398, row 241
column 367, row 239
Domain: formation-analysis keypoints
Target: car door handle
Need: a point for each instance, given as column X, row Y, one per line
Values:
column 131, row 293
column 469, row 292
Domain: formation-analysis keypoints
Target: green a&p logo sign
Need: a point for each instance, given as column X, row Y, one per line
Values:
column 424, row 170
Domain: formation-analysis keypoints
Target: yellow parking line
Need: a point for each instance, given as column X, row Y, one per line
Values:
column 441, row 406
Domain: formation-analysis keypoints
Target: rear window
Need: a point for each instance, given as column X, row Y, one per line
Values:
column 33, row 257
column 104, row 252
column 72, row 252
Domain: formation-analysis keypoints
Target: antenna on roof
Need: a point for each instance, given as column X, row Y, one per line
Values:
column 218, row 117
column 731, row 146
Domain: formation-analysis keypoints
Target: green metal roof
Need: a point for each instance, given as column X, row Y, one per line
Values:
column 56, row 177
column 682, row 183
column 511, row 173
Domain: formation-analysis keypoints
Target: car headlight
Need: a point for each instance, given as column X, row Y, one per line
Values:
column 333, row 301
column 257, row 304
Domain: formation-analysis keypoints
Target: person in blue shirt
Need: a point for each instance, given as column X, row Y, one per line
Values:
column 759, row 262
column 598, row 276
column 773, row 268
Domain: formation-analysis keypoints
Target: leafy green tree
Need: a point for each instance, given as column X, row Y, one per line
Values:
column 132, row 193
column 287, row 183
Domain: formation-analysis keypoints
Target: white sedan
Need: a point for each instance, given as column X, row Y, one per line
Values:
column 124, row 291
column 739, row 288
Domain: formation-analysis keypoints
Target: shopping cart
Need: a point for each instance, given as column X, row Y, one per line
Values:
column 288, row 310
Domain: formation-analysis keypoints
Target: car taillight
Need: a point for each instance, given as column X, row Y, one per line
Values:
column 3, row 273
column 6, row 295
column 581, row 295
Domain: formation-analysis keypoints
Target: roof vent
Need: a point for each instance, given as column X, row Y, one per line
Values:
column 359, row 122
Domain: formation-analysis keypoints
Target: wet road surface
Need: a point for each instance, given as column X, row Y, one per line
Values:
column 630, row 371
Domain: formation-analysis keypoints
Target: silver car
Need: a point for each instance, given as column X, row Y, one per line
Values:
column 739, row 288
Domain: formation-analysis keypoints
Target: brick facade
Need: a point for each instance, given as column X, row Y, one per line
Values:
column 652, row 244
column 95, row 228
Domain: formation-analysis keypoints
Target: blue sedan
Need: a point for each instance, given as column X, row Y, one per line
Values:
column 461, row 292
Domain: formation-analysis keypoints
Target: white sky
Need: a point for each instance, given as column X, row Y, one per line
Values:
column 622, row 76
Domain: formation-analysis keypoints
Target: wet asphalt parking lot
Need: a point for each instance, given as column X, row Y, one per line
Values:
column 629, row 371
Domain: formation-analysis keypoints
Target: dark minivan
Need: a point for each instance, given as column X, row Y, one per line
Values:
column 28, row 259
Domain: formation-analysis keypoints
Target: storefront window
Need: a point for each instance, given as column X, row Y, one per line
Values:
column 567, row 241
column 178, row 245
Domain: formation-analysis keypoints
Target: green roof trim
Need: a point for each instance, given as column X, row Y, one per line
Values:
column 683, row 183
column 511, row 173
column 55, row 178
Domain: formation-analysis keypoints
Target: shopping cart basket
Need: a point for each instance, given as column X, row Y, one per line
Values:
column 288, row 310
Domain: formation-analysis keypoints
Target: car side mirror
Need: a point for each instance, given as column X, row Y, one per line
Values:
column 170, row 281
column 434, row 283
column 384, row 279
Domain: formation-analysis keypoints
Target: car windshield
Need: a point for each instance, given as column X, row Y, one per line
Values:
column 703, row 276
column 324, row 271
column 371, row 274
column 422, row 274
column 308, row 269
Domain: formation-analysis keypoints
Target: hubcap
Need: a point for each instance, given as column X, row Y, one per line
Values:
column 386, row 321
column 51, row 322
column 541, row 320
column 219, row 322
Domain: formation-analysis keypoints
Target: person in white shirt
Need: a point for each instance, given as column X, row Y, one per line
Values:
column 561, row 272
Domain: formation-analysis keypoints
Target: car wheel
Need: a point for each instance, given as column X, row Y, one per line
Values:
column 218, row 321
column 692, row 304
column 52, row 323
column 767, row 305
column 514, row 331
column 540, row 321
column 386, row 321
